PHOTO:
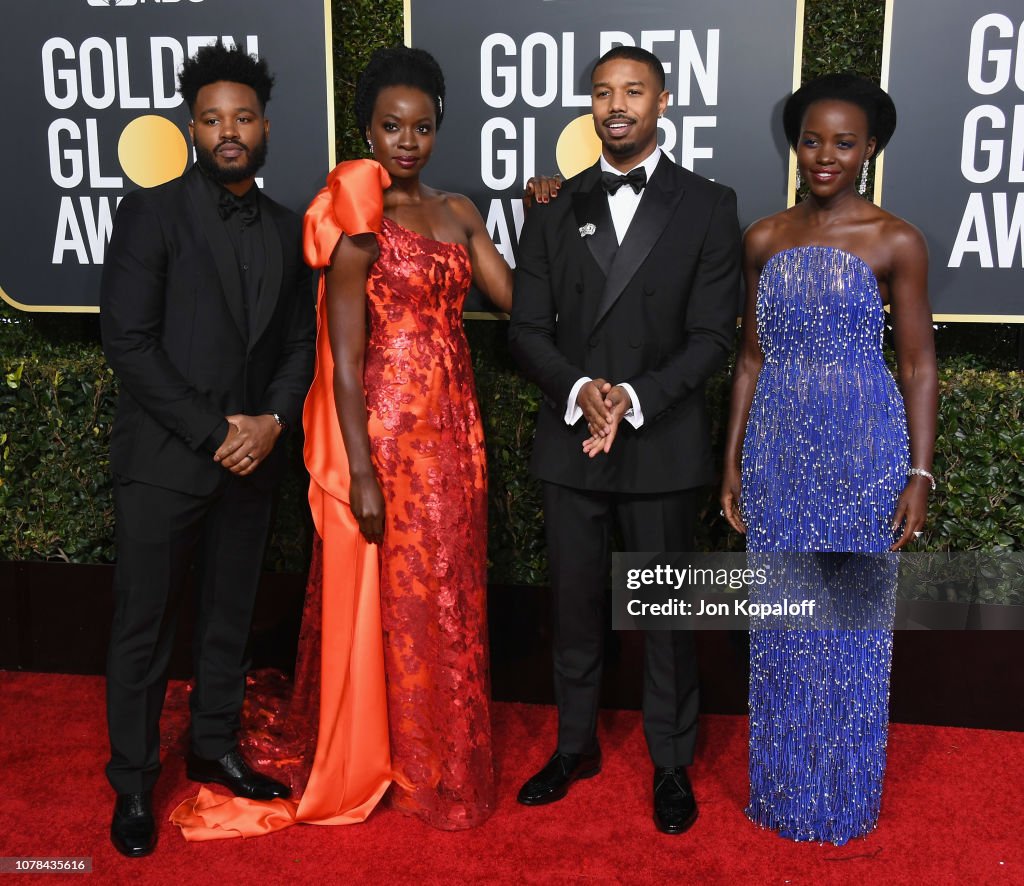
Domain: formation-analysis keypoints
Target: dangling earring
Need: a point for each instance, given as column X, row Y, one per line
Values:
column 369, row 144
column 799, row 181
column 863, row 187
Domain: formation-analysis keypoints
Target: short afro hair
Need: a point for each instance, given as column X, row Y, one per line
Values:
column 859, row 91
column 211, row 64
column 634, row 54
column 398, row 66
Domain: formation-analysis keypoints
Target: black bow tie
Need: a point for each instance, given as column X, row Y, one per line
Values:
column 248, row 210
column 635, row 178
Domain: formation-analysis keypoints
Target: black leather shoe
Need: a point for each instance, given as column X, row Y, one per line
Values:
column 132, row 830
column 552, row 782
column 234, row 773
column 675, row 808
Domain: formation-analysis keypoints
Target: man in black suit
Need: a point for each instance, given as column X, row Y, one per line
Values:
column 207, row 321
column 625, row 303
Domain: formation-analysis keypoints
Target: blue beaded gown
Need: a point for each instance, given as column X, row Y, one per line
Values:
column 825, row 458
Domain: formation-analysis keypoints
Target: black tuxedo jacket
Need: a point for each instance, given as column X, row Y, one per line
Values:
column 657, row 311
column 175, row 333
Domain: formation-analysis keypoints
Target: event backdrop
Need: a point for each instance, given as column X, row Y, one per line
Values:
column 955, row 167
column 518, row 84
column 93, row 113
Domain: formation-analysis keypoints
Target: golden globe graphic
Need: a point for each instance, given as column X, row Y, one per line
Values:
column 152, row 150
column 578, row 146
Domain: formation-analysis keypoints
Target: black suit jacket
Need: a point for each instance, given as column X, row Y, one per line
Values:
column 657, row 311
column 175, row 333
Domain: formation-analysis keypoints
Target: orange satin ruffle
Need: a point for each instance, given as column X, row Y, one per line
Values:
column 352, row 765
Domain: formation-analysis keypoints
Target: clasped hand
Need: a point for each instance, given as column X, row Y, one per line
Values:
column 249, row 441
column 603, row 407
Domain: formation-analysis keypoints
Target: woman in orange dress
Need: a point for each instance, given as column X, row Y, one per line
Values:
column 395, row 450
column 406, row 406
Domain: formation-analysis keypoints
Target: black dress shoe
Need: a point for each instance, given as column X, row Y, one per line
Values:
column 552, row 782
column 675, row 808
column 234, row 773
column 132, row 830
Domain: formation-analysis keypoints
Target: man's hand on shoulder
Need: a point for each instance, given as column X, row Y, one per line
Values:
column 250, row 440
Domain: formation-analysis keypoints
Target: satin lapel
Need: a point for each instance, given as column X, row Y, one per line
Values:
column 591, row 208
column 221, row 249
column 270, row 288
column 661, row 196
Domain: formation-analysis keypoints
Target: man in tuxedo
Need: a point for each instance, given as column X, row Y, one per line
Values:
column 206, row 312
column 625, row 304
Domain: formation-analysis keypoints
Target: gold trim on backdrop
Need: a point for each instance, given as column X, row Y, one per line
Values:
column 978, row 318
column 407, row 15
column 332, row 149
column 886, row 55
column 49, row 309
column 798, row 63
column 968, row 318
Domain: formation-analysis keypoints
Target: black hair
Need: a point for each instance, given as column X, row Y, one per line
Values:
column 852, row 88
column 398, row 66
column 634, row 54
column 211, row 64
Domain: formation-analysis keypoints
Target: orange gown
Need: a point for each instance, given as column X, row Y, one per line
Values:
column 428, row 678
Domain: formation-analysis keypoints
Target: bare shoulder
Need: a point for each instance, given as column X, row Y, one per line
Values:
column 460, row 204
column 457, row 206
column 766, row 236
column 904, row 241
column 905, row 236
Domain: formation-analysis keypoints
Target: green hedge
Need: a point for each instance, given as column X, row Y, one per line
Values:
column 57, row 396
column 57, row 404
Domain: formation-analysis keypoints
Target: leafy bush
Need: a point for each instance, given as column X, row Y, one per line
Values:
column 979, row 461
column 56, row 404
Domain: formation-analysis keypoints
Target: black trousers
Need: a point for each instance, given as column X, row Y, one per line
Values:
column 578, row 526
column 160, row 534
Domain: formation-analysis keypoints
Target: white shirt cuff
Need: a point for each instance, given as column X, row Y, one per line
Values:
column 635, row 415
column 573, row 413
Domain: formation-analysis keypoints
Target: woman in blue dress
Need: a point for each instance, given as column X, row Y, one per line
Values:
column 826, row 452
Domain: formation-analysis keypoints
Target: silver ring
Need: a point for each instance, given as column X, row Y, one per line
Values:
column 918, row 534
column 253, row 457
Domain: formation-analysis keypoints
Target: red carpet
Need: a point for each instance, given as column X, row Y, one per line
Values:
column 951, row 813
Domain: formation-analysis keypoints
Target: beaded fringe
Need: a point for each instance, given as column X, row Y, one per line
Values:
column 824, row 460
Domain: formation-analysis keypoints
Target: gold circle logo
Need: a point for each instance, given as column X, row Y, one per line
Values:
column 578, row 146
column 152, row 151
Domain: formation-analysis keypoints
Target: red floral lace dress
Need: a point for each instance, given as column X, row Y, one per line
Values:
column 427, row 443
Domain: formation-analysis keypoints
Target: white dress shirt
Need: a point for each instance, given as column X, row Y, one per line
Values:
column 622, row 205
